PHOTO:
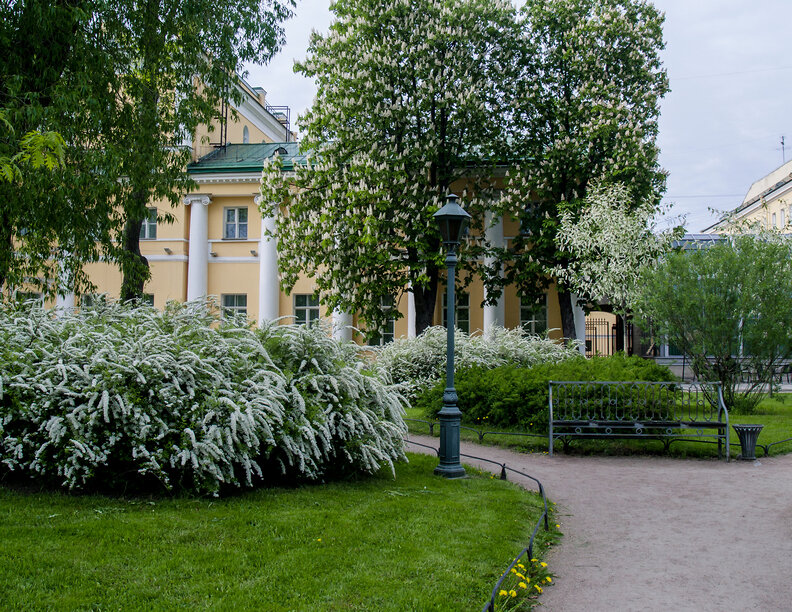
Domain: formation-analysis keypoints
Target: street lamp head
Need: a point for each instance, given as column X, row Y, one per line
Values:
column 452, row 220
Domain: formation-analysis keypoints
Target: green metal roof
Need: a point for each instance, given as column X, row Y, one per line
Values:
column 247, row 158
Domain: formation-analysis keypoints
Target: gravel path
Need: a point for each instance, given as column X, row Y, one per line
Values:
column 649, row 533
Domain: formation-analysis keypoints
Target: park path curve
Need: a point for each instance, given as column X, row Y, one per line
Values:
column 661, row 534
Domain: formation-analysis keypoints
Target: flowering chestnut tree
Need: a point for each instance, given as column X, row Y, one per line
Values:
column 586, row 109
column 411, row 98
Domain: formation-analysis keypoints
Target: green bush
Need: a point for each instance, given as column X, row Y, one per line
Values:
column 516, row 397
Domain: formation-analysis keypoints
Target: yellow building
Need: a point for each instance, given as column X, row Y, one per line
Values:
column 768, row 202
column 216, row 245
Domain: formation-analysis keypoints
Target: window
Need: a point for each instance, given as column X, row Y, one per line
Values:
column 234, row 304
column 306, row 308
column 775, row 225
column 462, row 311
column 148, row 229
column 148, row 298
column 245, row 135
column 783, row 220
column 236, row 222
column 386, row 334
column 533, row 315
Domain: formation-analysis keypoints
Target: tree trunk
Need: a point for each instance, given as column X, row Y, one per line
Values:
column 425, row 301
column 134, row 266
column 567, row 315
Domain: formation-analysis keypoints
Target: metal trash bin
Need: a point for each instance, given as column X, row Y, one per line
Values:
column 748, row 435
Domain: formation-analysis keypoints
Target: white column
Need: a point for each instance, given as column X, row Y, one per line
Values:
column 198, row 260
column 269, row 283
column 64, row 303
column 494, row 314
column 410, row 313
column 342, row 325
column 580, row 323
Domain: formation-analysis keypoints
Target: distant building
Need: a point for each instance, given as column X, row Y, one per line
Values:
column 768, row 202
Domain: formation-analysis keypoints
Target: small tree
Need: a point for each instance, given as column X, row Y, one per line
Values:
column 725, row 305
column 608, row 246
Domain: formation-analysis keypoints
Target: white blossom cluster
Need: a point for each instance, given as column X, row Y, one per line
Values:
column 610, row 242
column 114, row 394
column 420, row 362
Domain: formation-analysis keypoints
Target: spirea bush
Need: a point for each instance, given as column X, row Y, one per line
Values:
column 416, row 364
column 119, row 396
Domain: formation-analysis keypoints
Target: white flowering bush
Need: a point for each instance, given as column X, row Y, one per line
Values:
column 118, row 396
column 418, row 363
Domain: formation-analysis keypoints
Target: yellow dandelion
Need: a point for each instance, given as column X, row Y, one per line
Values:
column 534, row 560
column 543, row 564
column 521, row 566
column 513, row 593
column 549, row 579
column 502, row 593
column 538, row 588
column 513, row 571
column 522, row 585
column 318, row 539
column 519, row 575
column 558, row 526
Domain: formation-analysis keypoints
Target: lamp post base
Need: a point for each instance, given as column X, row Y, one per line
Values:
column 450, row 417
column 450, row 471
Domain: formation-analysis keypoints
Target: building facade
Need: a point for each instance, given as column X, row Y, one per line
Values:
column 218, row 244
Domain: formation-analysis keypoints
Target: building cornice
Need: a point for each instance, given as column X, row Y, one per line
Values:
column 224, row 178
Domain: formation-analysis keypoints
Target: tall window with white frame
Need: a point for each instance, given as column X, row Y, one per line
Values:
column 783, row 218
column 533, row 315
column 148, row 229
column 462, row 311
column 235, row 226
column 306, row 309
column 234, row 304
column 388, row 331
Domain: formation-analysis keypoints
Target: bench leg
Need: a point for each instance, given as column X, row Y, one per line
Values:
column 550, row 443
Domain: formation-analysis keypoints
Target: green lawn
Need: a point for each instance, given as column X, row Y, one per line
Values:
column 774, row 413
column 418, row 542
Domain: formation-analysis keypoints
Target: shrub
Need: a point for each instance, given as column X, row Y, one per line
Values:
column 416, row 364
column 517, row 397
column 119, row 395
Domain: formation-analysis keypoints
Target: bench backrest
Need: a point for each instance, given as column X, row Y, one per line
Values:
column 636, row 401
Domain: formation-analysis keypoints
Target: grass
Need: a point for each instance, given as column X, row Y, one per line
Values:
column 418, row 542
column 774, row 413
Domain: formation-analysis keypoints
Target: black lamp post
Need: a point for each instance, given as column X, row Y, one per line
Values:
column 452, row 220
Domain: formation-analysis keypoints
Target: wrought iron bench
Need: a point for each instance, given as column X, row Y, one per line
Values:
column 654, row 410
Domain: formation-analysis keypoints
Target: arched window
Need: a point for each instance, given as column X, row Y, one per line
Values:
column 245, row 135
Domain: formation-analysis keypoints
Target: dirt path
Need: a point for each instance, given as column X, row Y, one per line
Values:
column 648, row 533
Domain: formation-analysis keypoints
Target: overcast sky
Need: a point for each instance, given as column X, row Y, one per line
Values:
column 730, row 69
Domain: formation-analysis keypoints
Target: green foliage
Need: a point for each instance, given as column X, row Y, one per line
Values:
column 412, row 96
column 720, row 301
column 517, row 397
column 131, row 397
column 118, row 81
